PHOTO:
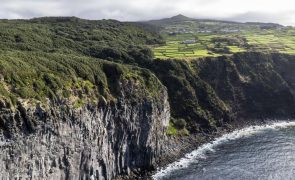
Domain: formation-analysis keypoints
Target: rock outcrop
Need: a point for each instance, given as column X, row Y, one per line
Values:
column 91, row 142
column 211, row 92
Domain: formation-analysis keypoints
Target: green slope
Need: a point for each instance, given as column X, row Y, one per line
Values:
column 217, row 38
column 79, row 62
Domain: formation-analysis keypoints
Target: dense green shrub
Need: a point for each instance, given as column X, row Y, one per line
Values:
column 106, row 39
column 179, row 123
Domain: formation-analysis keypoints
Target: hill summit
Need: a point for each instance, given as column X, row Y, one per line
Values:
column 180, row 17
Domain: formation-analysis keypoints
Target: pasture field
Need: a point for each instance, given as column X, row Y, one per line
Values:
column 218, row 44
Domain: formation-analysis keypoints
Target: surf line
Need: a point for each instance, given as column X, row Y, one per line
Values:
column 200, row 153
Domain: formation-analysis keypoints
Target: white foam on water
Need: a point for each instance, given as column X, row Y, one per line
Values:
column 200, row 153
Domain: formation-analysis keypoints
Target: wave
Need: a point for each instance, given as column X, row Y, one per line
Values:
column 200, row 153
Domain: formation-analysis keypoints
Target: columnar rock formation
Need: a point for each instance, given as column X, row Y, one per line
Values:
column 92, row 142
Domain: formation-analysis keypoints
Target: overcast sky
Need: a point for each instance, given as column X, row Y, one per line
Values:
column 279, row 11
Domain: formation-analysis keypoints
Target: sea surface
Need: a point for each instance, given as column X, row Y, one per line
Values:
column 257, row 152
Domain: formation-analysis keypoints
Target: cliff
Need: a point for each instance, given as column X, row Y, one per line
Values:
column 68, row 111
column 65, row 113
column 115, row 135
column 210, row 93
column 91, row 142
column 124, row 128
column 253, row 85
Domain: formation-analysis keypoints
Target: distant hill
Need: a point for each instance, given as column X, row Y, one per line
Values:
column 166, row 21
column 181, row 18
column 188, row 24
column 178, row 18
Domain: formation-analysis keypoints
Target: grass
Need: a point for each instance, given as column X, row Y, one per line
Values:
column 255, row 40
column 173, row 131
column 236, row 49
column 175, row 49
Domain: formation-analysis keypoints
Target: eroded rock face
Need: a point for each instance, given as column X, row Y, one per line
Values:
column 211, row 92
column 93, row 142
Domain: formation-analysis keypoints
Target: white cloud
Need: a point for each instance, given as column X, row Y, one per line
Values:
column 282, row 11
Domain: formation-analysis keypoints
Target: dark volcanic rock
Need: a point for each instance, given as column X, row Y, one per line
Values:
column 211, row 92
column 93, row 142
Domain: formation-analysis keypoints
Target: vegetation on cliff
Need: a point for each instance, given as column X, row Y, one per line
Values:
column 78, row 62
column 60, row 59
column 211, row 92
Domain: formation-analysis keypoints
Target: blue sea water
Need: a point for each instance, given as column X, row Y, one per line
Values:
column 257, row 152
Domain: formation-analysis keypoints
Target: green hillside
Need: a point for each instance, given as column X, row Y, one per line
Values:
column 80, row 62
column 60, row 59
column 107, row 39
column 188, row 38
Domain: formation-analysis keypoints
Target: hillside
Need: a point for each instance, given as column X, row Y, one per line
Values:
column 62, row 56
column 188, row 38
column 88, row 99
column 71, row 60
column 107, row 39
column 187, row 24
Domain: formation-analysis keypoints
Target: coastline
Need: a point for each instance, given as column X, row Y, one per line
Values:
column 177, row 147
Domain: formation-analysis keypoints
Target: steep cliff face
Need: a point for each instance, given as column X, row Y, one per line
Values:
column 91, row 142
column 211, row 92
column 253, row 85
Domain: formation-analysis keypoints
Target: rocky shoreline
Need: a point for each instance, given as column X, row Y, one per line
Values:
column 177, row 147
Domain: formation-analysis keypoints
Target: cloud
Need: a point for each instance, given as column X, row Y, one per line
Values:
column 286, row 18
column 131, row 10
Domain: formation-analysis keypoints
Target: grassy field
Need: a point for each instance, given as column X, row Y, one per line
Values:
column 214, row 44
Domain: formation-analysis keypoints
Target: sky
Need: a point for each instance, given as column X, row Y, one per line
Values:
column 276, row 11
